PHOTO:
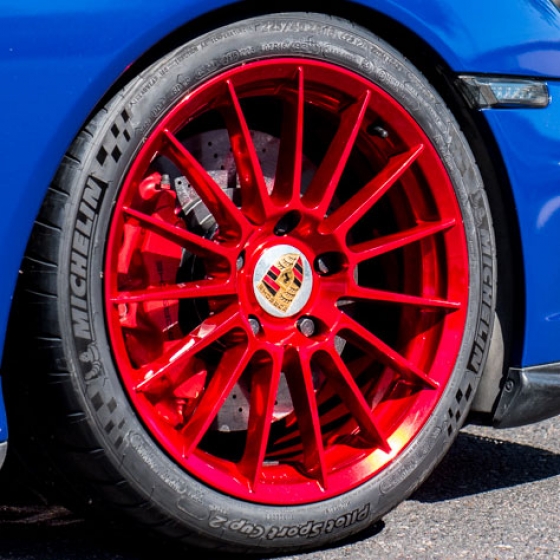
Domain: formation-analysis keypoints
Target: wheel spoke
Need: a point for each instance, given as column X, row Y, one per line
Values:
column 382, row 245
column 254, row 193
column 231, row 367
column 346, row 387
column 187, row 290
column 287, row 183
column 321, row 191
column 167, row 369
column 368, row 342
column 194, row 243
column 226, row 213
column 372, row 294
column 351, row 211
column 264, row 389
column 302, row 391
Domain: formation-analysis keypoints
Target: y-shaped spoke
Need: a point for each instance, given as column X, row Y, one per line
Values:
column 300, row 382
column 287, row 183
column 231, row 367
column 357, row 334
column 226, row 213
column 254, row 193
column 321, row 191
column 337, row 373
column 167, row 368
column 264, row 390
column 351, row 211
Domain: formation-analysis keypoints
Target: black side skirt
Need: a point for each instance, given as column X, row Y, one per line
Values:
column 529, row 395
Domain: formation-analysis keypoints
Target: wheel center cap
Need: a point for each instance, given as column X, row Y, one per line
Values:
column 282, row 280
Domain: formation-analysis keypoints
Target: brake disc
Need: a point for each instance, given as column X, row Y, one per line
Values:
column 212, row 149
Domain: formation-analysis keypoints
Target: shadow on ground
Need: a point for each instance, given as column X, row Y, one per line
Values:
column 31, row 529
column 476, row 464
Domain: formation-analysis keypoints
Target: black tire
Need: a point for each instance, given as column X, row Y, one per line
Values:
column 99, row 449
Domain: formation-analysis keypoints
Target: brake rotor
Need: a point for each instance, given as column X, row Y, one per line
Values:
column 212, row 149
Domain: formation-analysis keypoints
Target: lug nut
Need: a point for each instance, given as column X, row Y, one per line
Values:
column 378, row 130
column 321, row 266
column 287, row 223
column 255, row 325
column 329, row 263
column 240, row 262
column 306, row 326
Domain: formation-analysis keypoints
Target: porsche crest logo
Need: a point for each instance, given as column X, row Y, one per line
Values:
column 282, row 281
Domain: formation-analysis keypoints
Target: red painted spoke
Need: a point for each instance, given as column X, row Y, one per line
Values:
column 231, row 367
column 382, row 245
column 168, row 367
column 254, row 193
column 186, row 290
column 287, row 183
column 372, row 294
column 264, row 390
column 216, row 200
column 368, row 342
column 194, row 243
column 320, row 193
column 302, row 391
column 347, row 389
column 351, row 211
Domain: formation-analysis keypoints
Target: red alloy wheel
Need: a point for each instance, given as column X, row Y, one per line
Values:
column 286, row 281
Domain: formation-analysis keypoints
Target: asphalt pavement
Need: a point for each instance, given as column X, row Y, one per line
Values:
column 495, row 496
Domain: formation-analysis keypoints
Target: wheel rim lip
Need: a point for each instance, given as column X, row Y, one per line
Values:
column 202, row 466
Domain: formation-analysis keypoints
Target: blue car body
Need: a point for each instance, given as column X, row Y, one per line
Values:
column 60, row 59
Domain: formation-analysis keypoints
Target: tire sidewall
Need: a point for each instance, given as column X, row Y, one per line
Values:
column 128, row 118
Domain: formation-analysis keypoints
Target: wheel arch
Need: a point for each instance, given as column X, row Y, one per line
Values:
column 423, row 55
column 507, row 347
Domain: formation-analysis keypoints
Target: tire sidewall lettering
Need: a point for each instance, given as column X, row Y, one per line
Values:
column 309, row 530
